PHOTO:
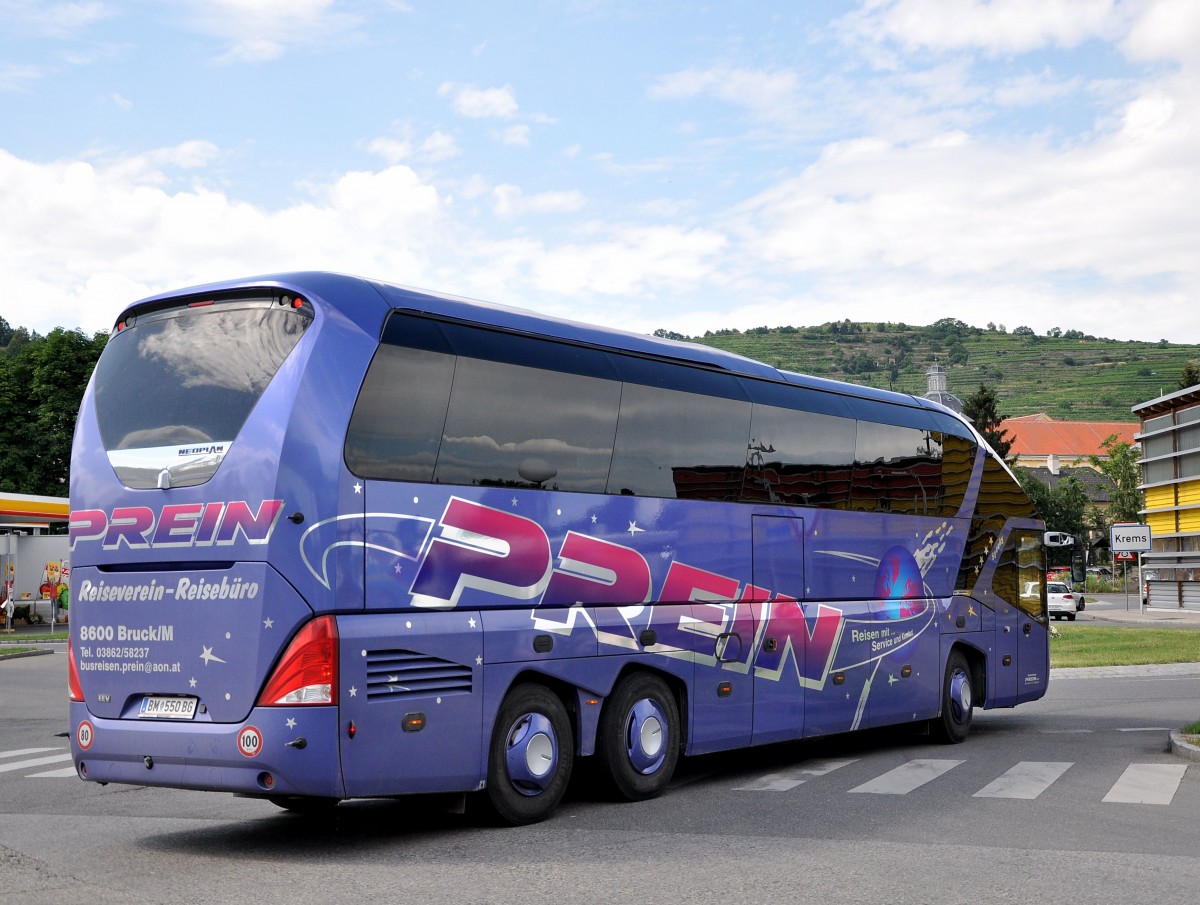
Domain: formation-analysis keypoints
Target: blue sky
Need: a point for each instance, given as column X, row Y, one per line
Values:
column 686, row 166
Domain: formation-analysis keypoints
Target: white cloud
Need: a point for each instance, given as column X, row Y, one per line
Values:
column 515, row 136
column 771, row 94
column 261, row 30
column 511, row 201
column 15, row 77
column 633, row 261
column 82, row 241
column 480, row 103
column 54, row 19
column 995, row 26
column 1031, row 89
column 1168, row 30
column 436, row 146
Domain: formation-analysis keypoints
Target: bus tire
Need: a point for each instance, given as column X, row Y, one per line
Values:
column 530, row 757
column 638, row 740
column 954, row 722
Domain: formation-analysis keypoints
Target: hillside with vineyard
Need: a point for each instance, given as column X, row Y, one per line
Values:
column 1066, row 374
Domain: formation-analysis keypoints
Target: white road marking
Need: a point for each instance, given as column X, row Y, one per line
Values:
column 1027, row 780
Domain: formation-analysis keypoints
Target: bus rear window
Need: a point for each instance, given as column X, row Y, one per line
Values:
column 174, row 387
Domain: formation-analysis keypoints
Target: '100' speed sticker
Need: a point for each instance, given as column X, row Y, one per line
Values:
column 250, row 741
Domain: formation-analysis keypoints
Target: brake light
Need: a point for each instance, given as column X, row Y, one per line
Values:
column 1067, row 597
column 74, row 689
column 307, row 673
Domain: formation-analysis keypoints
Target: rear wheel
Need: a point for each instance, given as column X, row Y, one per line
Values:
column 531, row 755
column 958, row 704
column 638, row 742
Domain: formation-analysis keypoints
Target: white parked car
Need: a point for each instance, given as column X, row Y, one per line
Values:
column 1061, row 600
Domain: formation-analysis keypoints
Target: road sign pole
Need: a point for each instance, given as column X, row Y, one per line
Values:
column 1141, row 584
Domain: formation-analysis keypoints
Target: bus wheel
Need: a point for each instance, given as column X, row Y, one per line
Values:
column 531, row 755
column 957, row 703
column 638, row 742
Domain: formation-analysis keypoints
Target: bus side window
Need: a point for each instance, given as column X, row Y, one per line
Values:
column 897, row 469
column 396, row 426
column 676, row 444
column 798, row 458
column 515, row 426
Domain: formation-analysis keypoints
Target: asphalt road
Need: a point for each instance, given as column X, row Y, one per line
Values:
column 1074, row 798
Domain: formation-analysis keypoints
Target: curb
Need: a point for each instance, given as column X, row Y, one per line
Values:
column 25, row 653
column 1180, row 747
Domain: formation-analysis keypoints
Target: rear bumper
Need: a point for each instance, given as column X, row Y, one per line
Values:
column 275, row 751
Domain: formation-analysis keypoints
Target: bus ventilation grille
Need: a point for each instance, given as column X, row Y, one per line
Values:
column 406, row 674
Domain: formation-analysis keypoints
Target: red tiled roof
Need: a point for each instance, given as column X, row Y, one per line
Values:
column 1037, row 435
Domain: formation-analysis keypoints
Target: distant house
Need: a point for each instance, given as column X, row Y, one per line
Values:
column 1038, row 441
column 1096, row 485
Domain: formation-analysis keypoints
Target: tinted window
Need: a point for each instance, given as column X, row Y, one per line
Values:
column 1000, row 498
column 673, row 444
column 798, row 458
column 174, row 389
column 897, row 469
column 451, row 403
column 509, row 425
column 958, row 461
column 1021, row 573
column 397, row 424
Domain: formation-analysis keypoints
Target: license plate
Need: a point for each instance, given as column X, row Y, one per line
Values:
column 160, row 707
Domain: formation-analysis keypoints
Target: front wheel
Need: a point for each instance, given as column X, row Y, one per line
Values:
column 954, row 722
column 638, row 742
column 531, row 755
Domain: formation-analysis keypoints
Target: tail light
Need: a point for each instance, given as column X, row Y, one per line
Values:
column 308, row 671
column 74, row 689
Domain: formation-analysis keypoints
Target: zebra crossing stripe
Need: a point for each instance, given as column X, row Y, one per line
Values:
column 25, row 752
column 1027, row 780
column 907, row 777
column 1147, row 784
column 54, row 774
column 36, row 762
column 781, row 782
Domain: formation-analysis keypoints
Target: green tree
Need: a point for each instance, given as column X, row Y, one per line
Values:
column 41, row 386
column 982, row 408
column 1190, row 376
column 1063, row 507
column 1120, row 465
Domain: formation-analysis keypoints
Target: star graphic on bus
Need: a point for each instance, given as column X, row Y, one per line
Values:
column 208, row 656
column 634, row 529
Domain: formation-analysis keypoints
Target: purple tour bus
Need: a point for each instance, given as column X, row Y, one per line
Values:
column 334, row 538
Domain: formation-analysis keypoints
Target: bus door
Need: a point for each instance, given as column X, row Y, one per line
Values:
column 780, row 654
column 1022, row 649
column 1033, row 628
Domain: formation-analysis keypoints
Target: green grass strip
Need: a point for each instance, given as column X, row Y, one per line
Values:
column 1104, row 645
